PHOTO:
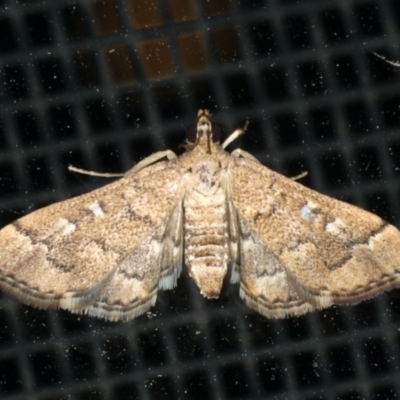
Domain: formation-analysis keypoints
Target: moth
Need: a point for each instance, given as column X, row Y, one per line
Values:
column 228, row 218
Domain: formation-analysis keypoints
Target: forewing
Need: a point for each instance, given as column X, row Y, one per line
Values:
column 98, row 253
column 302, row 250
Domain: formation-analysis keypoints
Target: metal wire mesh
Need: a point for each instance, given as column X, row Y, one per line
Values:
column 102, row 83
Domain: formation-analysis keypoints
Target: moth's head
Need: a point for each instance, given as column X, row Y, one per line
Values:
column 204, row 132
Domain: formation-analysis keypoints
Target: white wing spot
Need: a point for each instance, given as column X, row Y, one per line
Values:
column 307, row 210
column 96, row 209
column 65, row 226
column 336, row 227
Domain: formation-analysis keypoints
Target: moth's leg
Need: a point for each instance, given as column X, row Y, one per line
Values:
column 394, row 63
column 242, row 153
column 93, row 173
column 151, row 160
column 299, row 176
column 234, row 135
column 140, row 165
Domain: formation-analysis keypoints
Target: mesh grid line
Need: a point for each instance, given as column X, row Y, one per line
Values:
column 101, row 84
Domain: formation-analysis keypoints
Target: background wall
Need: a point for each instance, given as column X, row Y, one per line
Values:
column 101, row 84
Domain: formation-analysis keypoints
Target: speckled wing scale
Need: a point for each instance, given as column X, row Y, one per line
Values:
column 225, row 216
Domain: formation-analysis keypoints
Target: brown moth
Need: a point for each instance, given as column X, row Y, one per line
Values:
column 225, row 216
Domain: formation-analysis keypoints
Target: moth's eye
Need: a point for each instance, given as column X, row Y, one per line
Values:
column 191, row 133
column 217, row 132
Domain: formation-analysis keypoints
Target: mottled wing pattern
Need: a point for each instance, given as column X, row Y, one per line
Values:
column 301, row 250
column 101, row 253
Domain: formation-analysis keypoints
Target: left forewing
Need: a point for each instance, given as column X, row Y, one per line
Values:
column 302, row 250
column 98, row 253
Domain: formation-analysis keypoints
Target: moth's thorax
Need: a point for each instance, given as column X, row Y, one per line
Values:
column 206, row 228
column 206, row 176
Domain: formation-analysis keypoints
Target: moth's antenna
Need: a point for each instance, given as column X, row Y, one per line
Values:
column 235, row 134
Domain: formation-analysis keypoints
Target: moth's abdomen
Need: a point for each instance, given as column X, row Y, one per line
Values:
column 206, row 242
